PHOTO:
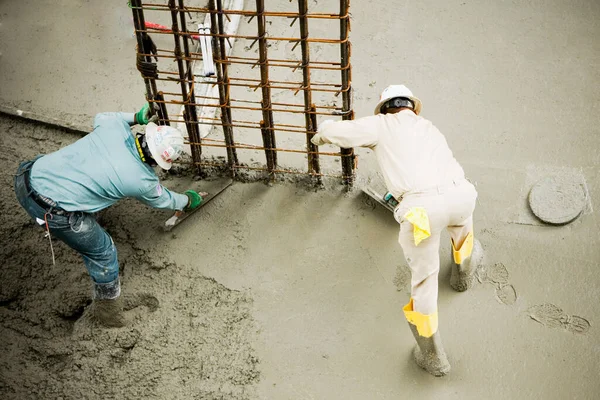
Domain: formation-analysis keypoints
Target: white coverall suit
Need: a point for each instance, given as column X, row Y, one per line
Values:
column 423, row 175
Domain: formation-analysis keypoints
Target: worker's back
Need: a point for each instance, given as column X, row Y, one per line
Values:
column 96, row 171
column 414, row 156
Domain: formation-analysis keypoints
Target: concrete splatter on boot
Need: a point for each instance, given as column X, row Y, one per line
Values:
column 463, row 274
column 429, row 353
column 107, row 305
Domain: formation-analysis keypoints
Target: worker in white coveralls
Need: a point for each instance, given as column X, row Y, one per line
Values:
column 63, row 190
column 429, row 185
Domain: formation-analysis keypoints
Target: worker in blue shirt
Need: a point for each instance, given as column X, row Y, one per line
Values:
column 63, row 190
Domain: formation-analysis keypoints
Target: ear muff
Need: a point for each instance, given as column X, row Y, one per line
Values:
column 397, row 102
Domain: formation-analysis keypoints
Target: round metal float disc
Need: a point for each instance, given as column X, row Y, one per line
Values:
column 557, row 200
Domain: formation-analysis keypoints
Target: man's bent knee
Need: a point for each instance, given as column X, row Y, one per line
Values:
column 103, row 267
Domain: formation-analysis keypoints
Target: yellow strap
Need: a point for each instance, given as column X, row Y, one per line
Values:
column 418, row 217
column 139, row 149
column 426, row 325
column 465, row 249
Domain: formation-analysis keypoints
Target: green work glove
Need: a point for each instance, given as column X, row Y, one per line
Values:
column 142, row 117
column 194, row 200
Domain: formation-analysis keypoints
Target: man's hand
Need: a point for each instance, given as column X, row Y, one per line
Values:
column 144, row 116
column 194, row 199
column 317, row 139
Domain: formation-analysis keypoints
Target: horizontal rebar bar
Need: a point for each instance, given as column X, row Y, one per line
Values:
column 291, row 83
column 246, row 13
column 256, row 86
column 256, row 82
column 298, row 62
column 254, row 60
column 234, row 125
column 226, row 36
column 292, row 64
column 272, row 63
column 257, row 147
column 256, row 102
column 177, row 102
column 240, row 124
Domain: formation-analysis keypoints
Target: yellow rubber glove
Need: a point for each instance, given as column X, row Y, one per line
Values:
column 418, row 217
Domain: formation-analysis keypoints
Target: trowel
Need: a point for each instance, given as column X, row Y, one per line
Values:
column 385, row 200
column 213, row 188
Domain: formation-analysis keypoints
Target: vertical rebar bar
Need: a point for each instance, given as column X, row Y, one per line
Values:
column 267, row 122
column 182, row 79
column 313, row 120
column 162, row 109
column 347, row 154
column 140, row 25
column 192, row 116
column 221, row 54
column 311, row 126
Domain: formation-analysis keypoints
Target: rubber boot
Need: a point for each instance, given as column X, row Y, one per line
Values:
column 463, row 274
column 429, row 353
column 107, row 307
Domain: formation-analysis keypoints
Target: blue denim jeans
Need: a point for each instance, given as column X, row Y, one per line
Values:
column 78, row 230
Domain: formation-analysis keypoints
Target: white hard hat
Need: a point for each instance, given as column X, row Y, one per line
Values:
column 165, row 143
column 394, row 91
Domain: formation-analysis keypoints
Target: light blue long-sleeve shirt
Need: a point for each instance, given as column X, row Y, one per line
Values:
column 101, row 168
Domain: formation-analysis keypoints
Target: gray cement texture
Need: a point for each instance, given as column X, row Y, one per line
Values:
column 68, row 59
column 286, row 293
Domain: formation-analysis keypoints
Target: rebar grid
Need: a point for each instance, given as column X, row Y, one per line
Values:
column 186, row 52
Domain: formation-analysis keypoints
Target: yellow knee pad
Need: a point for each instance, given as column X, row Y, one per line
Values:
column 426, row 325
column 464, row 251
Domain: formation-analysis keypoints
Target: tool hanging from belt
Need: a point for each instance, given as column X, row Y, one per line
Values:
column 50, row 207
column 47, row 234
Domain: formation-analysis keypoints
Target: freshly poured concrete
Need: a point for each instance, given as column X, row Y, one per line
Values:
column 512, row 85
column 68, row 59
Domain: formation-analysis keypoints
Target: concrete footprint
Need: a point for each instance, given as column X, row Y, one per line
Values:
column 552, row 316
column 506, row 294
column 576, row 324
column 134, row 300
column 498, row 276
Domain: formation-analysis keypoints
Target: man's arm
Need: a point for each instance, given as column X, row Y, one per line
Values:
column 141, row 117
column 362, row 132
column 163, row 198
column 127, row 117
